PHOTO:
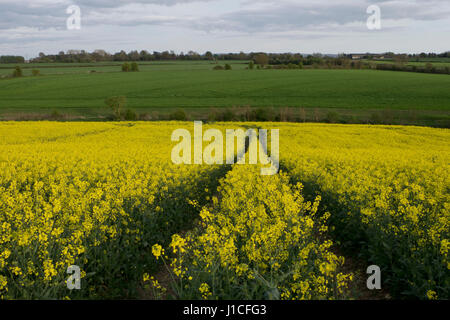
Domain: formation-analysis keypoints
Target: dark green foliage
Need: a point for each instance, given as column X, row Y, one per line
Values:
column 130, row 115
column 332, row 117
column 126, row 67
column 17, row 73
column 178, row 115
column 134, row 67
column 116, row 104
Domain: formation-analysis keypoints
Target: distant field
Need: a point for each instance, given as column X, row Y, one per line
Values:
column 105, row 67
column 75, row 89
column 442, row 62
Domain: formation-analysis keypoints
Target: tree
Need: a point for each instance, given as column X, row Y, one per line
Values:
column 134, row 55
column 116, row 104
column 12, row 59
column 209, row 55
column 262, row 59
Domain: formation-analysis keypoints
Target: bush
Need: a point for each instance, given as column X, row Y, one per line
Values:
column 178, row 115
column 218, row 68
column 333, row 117
column 35, row 72
column 251, row 65
column 17, row 72
column 130, row 115
column 126, row 67
column 145, row 117
column 375, row 118
column 263, row 114
column 228, row 115
column 56, row 115
column 228, row 67
column 134, row 67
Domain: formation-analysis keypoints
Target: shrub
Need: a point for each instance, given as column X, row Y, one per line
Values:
column 213, row 115
column 126, row 67
column 35, row 72
column 251, row 65
column 134, row 67
column 178, row 115
column 227, row 115
column 228, row 67
column 218, row 68
column 56, row 115
column 130, row 115
column 145, row 117
column 333, row 117
column 375, row 118
column 17, row 72
column 263, row 114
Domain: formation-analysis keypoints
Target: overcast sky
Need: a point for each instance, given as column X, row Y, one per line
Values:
column 28, row 27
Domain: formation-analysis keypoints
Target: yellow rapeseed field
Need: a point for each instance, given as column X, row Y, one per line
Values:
column 91, row 194
column 106, row 197
column 387, row 188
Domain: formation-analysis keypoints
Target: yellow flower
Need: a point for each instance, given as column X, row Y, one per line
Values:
column 157, row 250
column 432, row 295
column 204, row 290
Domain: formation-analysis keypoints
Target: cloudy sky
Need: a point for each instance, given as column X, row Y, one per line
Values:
column 28, row 27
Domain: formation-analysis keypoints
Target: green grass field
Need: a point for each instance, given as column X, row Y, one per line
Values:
column 75, row 89
column 437, row 62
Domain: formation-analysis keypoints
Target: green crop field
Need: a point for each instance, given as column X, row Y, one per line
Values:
column 80, row 89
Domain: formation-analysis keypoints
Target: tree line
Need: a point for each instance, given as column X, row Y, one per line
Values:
column 82, row 56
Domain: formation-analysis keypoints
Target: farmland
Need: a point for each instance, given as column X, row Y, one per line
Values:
column 79, row 91
column 105, row 196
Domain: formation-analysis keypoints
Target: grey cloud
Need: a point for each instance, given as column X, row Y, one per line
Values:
column 118, row 3
column 300, row 16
